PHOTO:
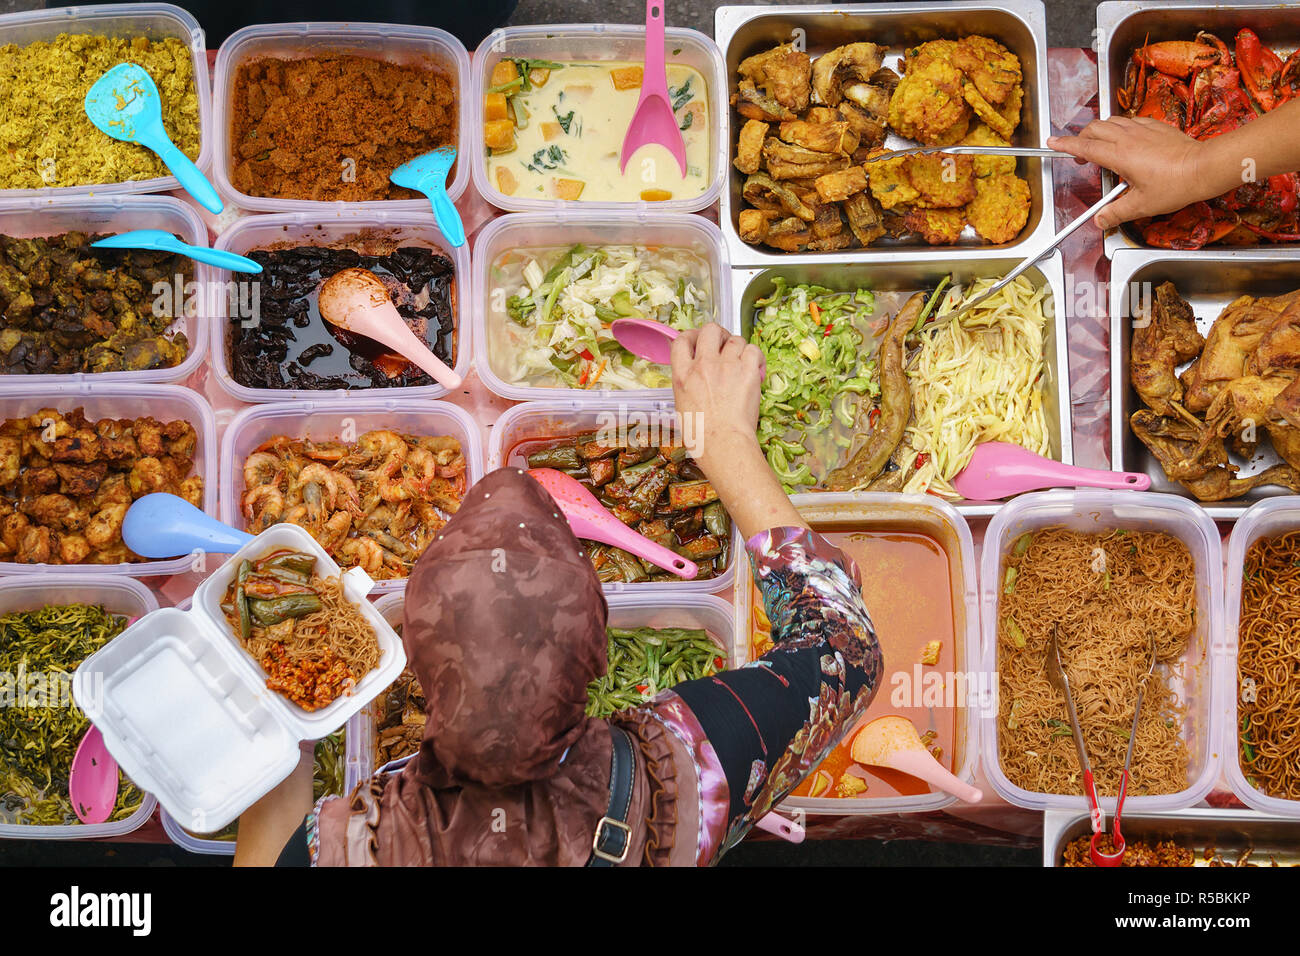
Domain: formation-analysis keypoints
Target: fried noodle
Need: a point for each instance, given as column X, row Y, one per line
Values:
column 1108, row 595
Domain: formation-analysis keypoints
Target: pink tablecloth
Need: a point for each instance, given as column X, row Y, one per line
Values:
column 1073, row 90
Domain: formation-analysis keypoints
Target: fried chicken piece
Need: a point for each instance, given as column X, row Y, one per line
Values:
column 112, row 490
column 1279, row 347
column 942, row 182
column 1245, row 402
column 1000, row 208
column 993, row 68
column 81, row 446
column 105, row 528
column 1164, row 337
column 35, row 546
column 749, row 146
column 852, row 63
column 981, row 135
column 73, row 549
column 864, row 218
column 57, row 511
column 782, row 71
column 11, row 457
column 80, row 481
column 38, row 481
column 1286, row 407
column 1235, row 335
column 1207, row 475
column 181, row 438
column 938, row 227
column 927, row 104
column 889, row 182
column 149, row 437
column 147, row 476
column 191, row 489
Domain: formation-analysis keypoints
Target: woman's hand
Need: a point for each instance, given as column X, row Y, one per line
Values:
column 1163, row 166
column 716, row 384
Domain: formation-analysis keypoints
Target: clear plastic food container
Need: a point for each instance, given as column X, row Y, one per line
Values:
column 940, row 521
column 538, row 421
column 527, row 231
column 119, row 400
column 1267, row 519
column 49, row 216
column 1096, row 511
column 594, row 42
column 337, row 228
column 118, row 595
column 625, row 610
column 393, row 43
column 157, row 21
column 328, row 421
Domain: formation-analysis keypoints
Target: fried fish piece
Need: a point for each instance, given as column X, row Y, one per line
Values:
column 752, row 103
column 749, row 146
column 753, row 225
column 835, row 137
column 942, row 182
column 938, row 227
column 864, row 218
column 1000, row 208
column 848, row 64
column 784, row 72
column 788, row 235
column 836, row 187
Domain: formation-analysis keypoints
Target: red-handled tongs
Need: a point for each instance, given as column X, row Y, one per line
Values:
column 1056, row 674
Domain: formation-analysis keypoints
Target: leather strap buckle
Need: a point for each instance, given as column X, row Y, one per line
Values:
column 602, row 833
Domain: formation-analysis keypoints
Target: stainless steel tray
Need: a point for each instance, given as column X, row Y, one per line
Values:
column 1230, row 832
column 1124, row 25
column 1021, row 25
column 749, row 284
column 1209, row 280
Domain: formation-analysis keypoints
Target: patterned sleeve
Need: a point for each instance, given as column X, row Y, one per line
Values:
column 755, row 732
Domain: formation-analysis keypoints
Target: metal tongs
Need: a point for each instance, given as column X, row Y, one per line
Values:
column 1034, row 257
column 972, row 151
column 1056, row 675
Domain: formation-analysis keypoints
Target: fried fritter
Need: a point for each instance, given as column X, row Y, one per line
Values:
column 889, row 182
column 938, row 227
column 942, row 182
column 1001, row 119
column 993, row 68
column 985, row 166
column 1000, row 208
column 927, row 104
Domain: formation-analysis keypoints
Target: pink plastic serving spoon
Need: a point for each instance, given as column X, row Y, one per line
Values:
column 92, row 781
column 652, row 340
column 1000, row 469
column 589, row 519
column 892, row 741
column 357, row 300
column 653, row 121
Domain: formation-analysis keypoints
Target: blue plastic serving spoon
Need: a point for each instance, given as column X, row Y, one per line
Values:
column 165, row 526
column 124, row 103
column 428, row 174
column 165, row 241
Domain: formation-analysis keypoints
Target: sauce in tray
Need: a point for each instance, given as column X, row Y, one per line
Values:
column 557, row 133
column 908, row 590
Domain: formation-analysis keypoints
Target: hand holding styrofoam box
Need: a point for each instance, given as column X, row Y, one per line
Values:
column 186, row 712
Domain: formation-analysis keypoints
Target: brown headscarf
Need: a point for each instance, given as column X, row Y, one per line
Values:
column 504, row 627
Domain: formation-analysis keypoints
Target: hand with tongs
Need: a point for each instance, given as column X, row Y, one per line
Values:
column 1056, row 674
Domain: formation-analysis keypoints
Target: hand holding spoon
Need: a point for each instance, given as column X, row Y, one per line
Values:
column 357, row 300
